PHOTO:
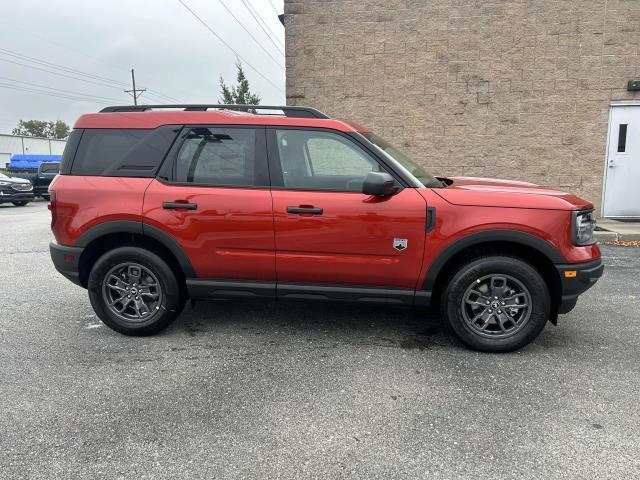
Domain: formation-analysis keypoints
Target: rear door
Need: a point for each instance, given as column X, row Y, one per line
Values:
column 212, row 196
column 326, row 230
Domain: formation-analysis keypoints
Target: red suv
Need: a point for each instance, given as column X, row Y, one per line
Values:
column 157, row 204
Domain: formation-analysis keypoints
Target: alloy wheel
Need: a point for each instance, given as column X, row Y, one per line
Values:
column 496, row 306
column 132, row 291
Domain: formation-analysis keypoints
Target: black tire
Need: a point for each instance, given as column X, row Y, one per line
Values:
column 472, row 288
column 46, row 197
column 21, row 203
column 160, row 312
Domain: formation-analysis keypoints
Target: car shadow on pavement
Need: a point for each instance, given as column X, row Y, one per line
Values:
column 336, row 324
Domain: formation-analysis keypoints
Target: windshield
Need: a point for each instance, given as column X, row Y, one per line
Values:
column 403, row 159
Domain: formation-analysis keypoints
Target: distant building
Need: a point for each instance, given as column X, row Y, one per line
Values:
column 15, row 144
column 546, row 91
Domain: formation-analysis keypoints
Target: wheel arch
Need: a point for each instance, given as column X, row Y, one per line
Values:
column 113, row 234
column 536, row 251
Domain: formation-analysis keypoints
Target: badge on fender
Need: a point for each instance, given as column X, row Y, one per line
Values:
column 400, row 243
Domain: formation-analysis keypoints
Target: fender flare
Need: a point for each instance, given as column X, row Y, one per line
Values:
column 144, row 230
column 510, row 236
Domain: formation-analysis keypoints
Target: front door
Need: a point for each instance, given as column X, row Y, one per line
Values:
column 622, row 177
column 326, row 230
column 212, row 196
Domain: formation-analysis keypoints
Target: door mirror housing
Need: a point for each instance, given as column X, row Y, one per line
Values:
column 379, row 184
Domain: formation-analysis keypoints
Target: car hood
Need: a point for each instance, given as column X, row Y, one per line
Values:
column 489, row 192
column 15, row 180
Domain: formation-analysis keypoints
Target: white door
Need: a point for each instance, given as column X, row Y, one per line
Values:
column 622, row 176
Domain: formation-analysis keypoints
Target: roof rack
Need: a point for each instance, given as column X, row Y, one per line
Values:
column 297, row 112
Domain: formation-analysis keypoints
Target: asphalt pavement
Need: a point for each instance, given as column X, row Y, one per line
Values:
column 241, row 390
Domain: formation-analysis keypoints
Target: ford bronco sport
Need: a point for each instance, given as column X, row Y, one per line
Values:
column 157, row 204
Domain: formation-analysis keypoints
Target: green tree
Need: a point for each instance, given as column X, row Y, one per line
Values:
column 41, row 128
column 239, row 94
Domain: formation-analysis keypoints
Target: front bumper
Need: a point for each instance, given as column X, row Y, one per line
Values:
column 66, row 260
column 576, row 279
column 10, row 195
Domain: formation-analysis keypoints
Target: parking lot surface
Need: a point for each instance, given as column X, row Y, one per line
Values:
column 241, row 390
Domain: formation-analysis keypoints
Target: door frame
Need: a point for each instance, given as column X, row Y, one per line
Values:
column 612, row 106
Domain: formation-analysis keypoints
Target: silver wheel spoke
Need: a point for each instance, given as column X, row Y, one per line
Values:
column 502, row 311
column 129, row 302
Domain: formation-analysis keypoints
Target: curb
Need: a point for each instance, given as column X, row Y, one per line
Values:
column 608, row 236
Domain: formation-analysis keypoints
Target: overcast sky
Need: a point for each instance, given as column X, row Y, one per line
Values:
column 172, row 52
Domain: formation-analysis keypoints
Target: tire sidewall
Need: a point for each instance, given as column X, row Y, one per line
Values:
column 478, row 268
column 171, row 303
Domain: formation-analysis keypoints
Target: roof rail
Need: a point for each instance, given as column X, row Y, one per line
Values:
column 297, row 112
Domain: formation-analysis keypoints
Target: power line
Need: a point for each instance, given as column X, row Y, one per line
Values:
column 61, row 74
column 52, row 94
column 274, row 8
column 229, row 46
column 157, row 94
column 256, row 16
column 74, row 71
column 61, row 67
column 59, row 89
column 250, row 34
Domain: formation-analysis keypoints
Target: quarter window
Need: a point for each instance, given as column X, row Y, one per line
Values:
column 313, row 160
column 219, row 157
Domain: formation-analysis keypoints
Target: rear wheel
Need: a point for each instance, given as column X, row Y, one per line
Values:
column 496, row 304
column 134, row 291
column 21, row 203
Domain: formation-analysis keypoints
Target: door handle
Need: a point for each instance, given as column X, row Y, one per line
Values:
column 313, row 210
column 175, row 205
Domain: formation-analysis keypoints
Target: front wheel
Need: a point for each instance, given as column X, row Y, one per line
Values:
column 134, row 291
column 21, row 203
column 496, row 304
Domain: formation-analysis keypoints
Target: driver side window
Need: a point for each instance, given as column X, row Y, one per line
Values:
column 314, row 160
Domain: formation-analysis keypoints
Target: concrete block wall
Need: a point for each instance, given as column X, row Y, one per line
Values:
column 516, row 89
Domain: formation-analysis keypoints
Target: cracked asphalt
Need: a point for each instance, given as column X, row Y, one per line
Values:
column 241, row 390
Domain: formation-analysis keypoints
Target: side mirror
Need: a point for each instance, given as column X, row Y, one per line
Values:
column 379, row 184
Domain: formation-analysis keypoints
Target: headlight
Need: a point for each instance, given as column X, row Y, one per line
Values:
column 584, row 224
column 4, row 184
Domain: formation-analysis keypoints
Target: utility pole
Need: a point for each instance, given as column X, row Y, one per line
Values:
column 134, row 92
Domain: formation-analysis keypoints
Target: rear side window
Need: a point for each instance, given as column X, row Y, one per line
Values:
column 122, row 152
column 69, row 151
column 220, row 156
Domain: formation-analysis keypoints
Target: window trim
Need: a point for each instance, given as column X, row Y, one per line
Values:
column 275, row 167
column 166, row 172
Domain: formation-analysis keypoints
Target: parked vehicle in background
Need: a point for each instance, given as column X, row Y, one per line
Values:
column 206, row 202
column 18, row 191
column 42, row 178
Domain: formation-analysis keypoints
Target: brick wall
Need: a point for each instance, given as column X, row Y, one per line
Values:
column 515, row 89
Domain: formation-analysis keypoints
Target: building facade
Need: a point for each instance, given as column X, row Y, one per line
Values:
column 516, row 89
column 16, row 144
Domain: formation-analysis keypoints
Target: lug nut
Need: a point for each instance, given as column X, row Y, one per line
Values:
column 501, row 303
column 490, row 311
column 488, row 302
column 499, row 311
